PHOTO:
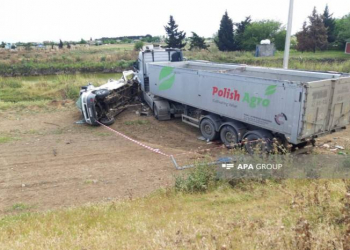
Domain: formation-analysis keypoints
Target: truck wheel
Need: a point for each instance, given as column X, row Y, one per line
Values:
column 208, row 131
column 107, row 121
column 258, row 141
column 156, row 112
column 101, row 93
column 229, row 136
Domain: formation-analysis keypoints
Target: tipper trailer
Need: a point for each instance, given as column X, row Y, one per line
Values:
column 237, row 103
column 244, row 103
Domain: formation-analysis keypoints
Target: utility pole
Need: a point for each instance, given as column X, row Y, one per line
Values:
column 289, row 31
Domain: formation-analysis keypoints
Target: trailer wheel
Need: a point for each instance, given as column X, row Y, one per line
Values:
column 208, row 131
column 258, row 141
column 229, row 136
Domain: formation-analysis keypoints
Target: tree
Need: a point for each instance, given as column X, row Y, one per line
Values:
column 3, row 44
column 304, row 39
column 313, row 36
column 342, row 30
column 257, row 31
column 318, row 32
column 280, row 39
column 27, row 46
column 240, row 28
column 82, row 41
column 329, row 23
column 225, row 39
column 138, row 45
column 60, row 45
column 175, row 37
column 197, row 42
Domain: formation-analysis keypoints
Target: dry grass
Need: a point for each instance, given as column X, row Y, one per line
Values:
column 291, row 215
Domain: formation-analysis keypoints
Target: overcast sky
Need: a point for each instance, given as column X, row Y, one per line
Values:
column 39, row 20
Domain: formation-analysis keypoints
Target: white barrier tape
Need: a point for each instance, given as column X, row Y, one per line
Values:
column 134, row 141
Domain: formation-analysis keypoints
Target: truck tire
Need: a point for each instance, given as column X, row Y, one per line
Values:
column 208, row 131
column 101, row 93
column 156, row 112
column 229, row 136
column 107, row 121
column 259, row 141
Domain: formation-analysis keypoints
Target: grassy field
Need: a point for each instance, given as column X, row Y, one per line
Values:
column 319, row 61
column 22, row 92
column 116, row 58
column 285, row 215
column 109, row 59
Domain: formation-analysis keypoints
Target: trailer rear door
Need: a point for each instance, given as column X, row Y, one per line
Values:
column 326, row 107
column 340, row 109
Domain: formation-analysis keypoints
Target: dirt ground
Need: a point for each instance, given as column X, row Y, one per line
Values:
column 52, row 162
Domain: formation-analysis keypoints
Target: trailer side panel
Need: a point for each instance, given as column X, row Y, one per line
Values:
column 271, row 104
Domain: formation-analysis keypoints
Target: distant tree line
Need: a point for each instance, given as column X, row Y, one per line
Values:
column 321, row 32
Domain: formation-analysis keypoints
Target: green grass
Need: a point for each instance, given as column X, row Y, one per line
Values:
column 137, row 122
column 112, row 58
column 20, row 207
column 249, row 216
column 116, row 58
column 5, row 139
column 20, row 92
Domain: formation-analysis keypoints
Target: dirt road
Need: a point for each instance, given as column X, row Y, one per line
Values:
column 50, row 162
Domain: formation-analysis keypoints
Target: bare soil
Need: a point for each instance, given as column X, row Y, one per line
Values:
column 51, row 162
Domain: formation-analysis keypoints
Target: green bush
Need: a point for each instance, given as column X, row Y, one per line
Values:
column 138, row 45
column 200, row 179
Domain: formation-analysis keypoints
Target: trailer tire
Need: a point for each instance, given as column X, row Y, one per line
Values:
column 259, row 140
column 229, row 136
column 208, row 130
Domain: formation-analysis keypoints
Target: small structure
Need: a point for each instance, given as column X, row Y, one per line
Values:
column 9, row 45
column 265, row 49
column 347, row 48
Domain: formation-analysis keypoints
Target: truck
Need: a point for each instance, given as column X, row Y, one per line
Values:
column 241, row 104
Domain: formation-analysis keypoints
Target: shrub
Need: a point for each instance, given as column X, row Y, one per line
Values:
column 138, row 45
column 198, row 180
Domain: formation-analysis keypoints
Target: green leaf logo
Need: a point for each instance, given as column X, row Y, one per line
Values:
column 270, row 90
column 166, row 78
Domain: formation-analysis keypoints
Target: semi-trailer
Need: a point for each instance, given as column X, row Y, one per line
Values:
column 241, row 103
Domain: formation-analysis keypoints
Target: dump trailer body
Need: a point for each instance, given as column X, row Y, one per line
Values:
column 297, row 104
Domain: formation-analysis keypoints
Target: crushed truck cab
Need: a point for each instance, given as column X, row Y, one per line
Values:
column 103, row 103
